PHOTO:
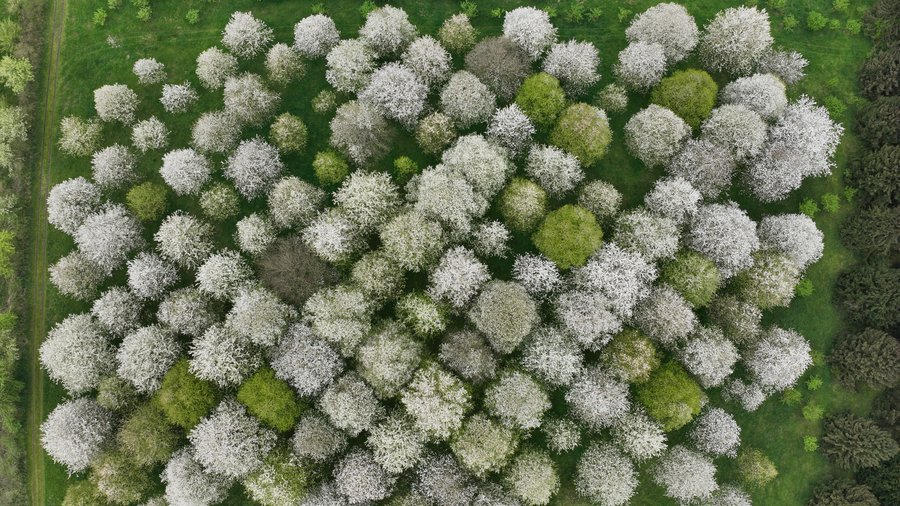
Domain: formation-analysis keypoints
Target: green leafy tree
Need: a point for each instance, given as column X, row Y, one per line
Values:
column 582, row 130
column 671, row 396
column 852, row 442
column 148, row 201
column 541, row 98
column 7, row 250
column 569, row 236
column 871, row 357
column 873, row 230
column 84, row 493
column 883, row 482
column 9, row 34
column 523, row 204
column 330, row 167
column 843, row 493
column 183, row 397
column 692, row 275
column 870, row 293
column 755, row 468
column 120, row 479
column 689, row 93
column 16, row 73
column 878, row 175
column 147, row 437
column 270, row 399
column 288, row 133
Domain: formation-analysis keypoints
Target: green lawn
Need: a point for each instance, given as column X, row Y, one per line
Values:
column 88, row 60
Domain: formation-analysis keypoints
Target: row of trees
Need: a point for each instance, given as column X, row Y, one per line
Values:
column 21, row 45
column 271, row 350
column 869, row 354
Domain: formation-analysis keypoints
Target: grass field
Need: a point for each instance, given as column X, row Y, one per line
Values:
column 90, row 57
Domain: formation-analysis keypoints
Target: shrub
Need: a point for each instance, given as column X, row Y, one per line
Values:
column 815, row 21
column 671, row 396
column 568, row 236
column 583, row 131
column 270, row 399
column 541, row 98
column 690, row 94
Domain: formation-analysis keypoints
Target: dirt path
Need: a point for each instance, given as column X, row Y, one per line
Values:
column 56, row 17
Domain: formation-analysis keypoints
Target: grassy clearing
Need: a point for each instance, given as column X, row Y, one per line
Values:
column 91, row 57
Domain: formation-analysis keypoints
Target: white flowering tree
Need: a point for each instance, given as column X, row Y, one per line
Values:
column 467, row 100
column 762, row 93
column 315, row 36
column 117, row 310
column 145, row 355
column 655, row 134
column 685, row 474
column 294, row 202
column 113, row 167
column 716, row 433
column 555, row 170
column 316, row 439
column 149, row 71
column 230, row 442
column 369, row 199
column 428, row 59
column 597, row 399
column 673, row 198
column 351, row 404
column 307, row 362
column 510, row 128
column 396, row 92
column 341, row 314
column 178, row 98
column 505, row 314
column 77, row 353
column 737, row 128
column 245, row 35
column 108, row 236
column 188, row 483
column 778, row 359
column 440, row 479
column 724, row 234
column 669, row 25
column 736, row 40
column 187, row 311
column 76, row 432
column 552, row 355
column 396, row 444
column 223, row 357
column 333, row 236
column 639, row 436
column 349, row 65
column 531, row 29
column 186, row 171
column 793, row 235
column 116, row 102
column 214, row 67
column 665, row 316
column 387, row 30
column 532, row 478
column 605, row 475
column 709, row 356
column 641, row 65
column 184, row 240
column 538, row 275
column 254, row 234
column 437, row 401
column 707, row 166
column 76, row 276
column 216, row 132
column 249, row 100
column 70, row 202
column 258, row 315
column 284, row 64
column 361, row 479
column 574, row 64
column 150, row 275
column 254, row 167
column 150, row 134
column 223, row 274
column 652, row 235
column 517, row 400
